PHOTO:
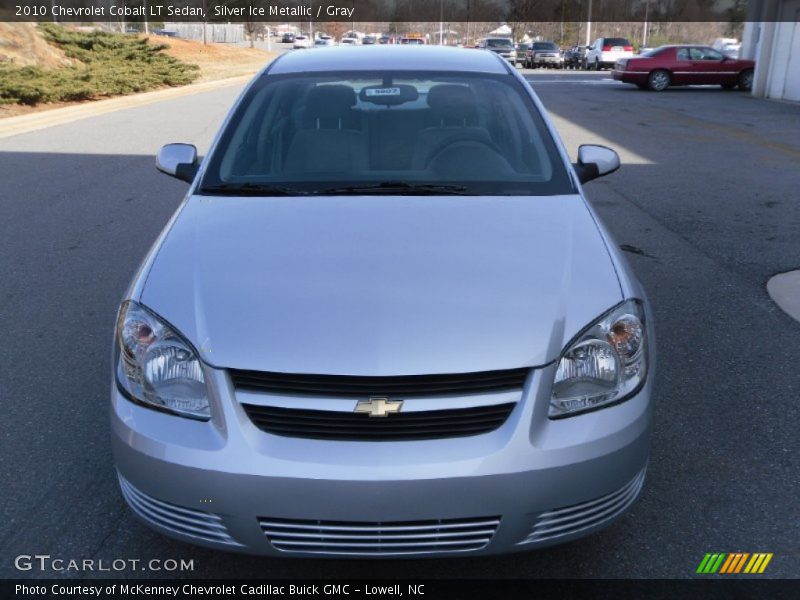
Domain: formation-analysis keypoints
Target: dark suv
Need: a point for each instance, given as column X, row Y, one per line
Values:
column 543, row 54
column 502, row 46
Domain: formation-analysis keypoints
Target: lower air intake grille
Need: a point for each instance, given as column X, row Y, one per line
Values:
column 339, row 425
column 578, row 517
column 379, row 539
column 177, row 519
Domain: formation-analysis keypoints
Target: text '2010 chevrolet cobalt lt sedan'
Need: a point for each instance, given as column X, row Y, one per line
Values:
column 384, row 321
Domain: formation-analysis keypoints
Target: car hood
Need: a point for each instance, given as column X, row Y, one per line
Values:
column 381, row 285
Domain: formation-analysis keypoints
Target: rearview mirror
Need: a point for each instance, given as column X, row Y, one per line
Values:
column 595, row 161
column 178, row 160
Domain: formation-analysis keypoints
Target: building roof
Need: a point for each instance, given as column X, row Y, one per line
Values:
column 389, row 58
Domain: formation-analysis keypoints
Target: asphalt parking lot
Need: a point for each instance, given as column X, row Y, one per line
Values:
column 705, row 207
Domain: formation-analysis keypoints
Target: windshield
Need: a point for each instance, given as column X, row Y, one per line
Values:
column 318, row 133
column 545, row 46
column 499, row 43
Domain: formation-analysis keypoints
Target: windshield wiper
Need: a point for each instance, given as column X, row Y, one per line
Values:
column 402, row 188
column 250, row 189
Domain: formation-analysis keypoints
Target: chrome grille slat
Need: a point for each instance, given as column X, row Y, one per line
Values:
column 384, row 538
column 380, row 544
column 576, row 518
column 282, row 535
column 382, row 528
column 201, row 524
column 178, row 519
column 552, row 527
column 569, row 511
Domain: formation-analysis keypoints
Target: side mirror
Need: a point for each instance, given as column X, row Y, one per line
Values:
column 595, row 161
column 178, row 160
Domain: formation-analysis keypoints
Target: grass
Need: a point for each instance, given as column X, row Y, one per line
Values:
column 109, row 64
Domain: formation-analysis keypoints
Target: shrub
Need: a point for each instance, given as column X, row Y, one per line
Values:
column 109, row 65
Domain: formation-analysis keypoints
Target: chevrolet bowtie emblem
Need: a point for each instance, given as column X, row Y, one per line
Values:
column 378, row 407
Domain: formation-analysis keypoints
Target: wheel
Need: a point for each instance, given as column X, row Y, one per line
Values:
column 746, row 80
column 658, row 80
column 596, row 64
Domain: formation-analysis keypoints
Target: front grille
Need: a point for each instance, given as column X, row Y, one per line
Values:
column 402, row 386
column 381, row 538
column 578, row 517
column 339, row 425
column 177, row 519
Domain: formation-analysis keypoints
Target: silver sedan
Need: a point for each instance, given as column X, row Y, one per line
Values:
column 384, row 321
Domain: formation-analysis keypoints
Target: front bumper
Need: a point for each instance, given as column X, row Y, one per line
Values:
column 225, row 483
column 548, row 60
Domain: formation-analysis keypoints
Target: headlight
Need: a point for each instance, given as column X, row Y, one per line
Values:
column 156, row 366
column 605, row 364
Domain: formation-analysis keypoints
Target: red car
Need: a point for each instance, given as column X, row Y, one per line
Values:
column 662, row 67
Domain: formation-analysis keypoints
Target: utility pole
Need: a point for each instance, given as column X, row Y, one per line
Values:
column 644, row 30
column 205, row 12
column 589, row 25
column 441, row 22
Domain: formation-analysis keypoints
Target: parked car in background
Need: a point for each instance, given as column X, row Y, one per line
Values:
column 324, row 42
column 522, row 49
column 348, row 41
column 412, row 41
column 368, row 40
column 287, row 38
column 384, row 39
column 720, row 44
column 685, row 65
column 606, row 51
column 732, row 50
column 359, row 349
column 301, row 41
column 544, row 54
column 573, row 58
column 502, row 46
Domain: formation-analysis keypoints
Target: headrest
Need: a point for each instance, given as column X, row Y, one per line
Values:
column 329, row 101
column 451, row 101
column 388, row 95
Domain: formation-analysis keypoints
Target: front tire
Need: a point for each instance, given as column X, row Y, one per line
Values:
column 659, row 80
column 746, row 80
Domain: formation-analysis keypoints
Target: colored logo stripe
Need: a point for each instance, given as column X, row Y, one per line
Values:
column 734, row 562
column 711, row 562
column 758, row 563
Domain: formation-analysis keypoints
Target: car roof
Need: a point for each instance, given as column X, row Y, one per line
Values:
column 389, row 57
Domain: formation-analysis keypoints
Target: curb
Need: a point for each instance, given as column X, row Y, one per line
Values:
column 58, row 116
